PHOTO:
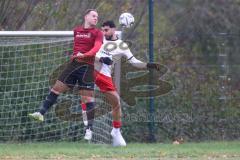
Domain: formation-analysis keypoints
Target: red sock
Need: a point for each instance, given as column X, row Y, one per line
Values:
column 84, row 107
column 117, row 124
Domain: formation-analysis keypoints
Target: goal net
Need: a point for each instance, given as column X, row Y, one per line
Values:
column 29, row 66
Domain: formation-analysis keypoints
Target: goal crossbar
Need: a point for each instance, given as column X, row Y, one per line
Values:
column 36, row 33
column 40, row 33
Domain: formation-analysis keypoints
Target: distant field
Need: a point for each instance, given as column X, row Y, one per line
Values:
column 77, row 150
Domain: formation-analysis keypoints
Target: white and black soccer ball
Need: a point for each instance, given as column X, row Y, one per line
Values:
column 126, row 20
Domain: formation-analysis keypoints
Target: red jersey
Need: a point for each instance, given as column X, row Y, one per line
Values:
column 87, row 41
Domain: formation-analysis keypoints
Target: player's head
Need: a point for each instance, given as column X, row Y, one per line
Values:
column 108, row 29
column 91, row 17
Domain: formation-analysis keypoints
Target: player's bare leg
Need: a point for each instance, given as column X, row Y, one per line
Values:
column 88, row 100
column 114, row 99
column 58, row 88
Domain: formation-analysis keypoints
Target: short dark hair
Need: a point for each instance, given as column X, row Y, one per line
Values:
column 88, row 11
column 109, row 23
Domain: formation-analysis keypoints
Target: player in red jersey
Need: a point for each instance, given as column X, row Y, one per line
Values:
column 87, row 41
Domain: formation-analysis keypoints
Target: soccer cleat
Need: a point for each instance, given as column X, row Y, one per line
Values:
column 88, row 134
column 84, row 116
column 118, row 139
column 37, row 116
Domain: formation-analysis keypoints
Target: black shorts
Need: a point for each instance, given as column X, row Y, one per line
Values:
column 78, row 72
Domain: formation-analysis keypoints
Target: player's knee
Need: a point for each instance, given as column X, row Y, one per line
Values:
column 55, row 90
column 59, row 87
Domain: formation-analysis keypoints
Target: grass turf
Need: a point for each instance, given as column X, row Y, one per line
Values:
column 75, row 150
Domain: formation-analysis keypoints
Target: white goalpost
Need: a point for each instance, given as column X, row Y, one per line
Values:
column 29, row 61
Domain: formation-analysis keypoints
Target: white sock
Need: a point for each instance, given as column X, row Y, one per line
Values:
column 116, row 129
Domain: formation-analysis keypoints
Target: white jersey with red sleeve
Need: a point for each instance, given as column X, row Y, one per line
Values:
column 115, row 50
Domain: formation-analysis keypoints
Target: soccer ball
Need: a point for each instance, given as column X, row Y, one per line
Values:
column 126, row 20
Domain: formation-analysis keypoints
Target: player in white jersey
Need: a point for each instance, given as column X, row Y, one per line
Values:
column 111, row 51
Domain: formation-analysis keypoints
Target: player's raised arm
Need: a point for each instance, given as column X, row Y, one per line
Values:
column 137, row 63
column 97, row 45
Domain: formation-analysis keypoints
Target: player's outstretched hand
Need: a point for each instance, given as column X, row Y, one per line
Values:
column 153, row 66
column 78, row 55
column 106, row 60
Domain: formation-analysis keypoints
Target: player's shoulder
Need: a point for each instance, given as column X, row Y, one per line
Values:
column 98, row 31
column 123, row 44
column 112, row 42
column 78, row 28
column 81, row 28
column 117, row 41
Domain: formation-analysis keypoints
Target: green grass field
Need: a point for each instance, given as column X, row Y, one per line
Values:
column 75, row 150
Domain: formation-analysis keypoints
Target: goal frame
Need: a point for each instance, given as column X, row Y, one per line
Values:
column 117, row 68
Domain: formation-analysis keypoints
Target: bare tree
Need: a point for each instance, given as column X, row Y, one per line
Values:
column 13, row 14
